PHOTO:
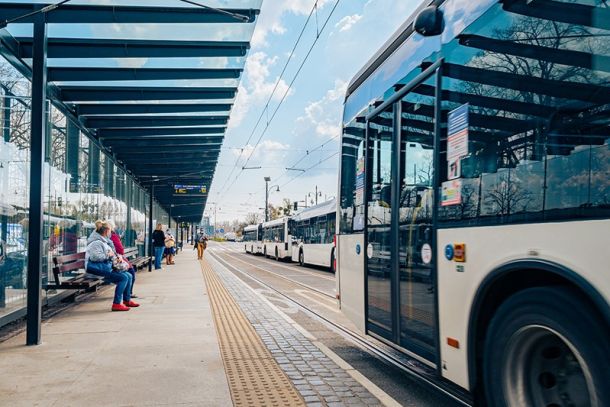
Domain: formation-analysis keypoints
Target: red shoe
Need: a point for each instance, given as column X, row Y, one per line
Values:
column 131, row 304
column 119, row 307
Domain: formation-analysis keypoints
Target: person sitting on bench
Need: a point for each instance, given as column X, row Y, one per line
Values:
column 120, row 250
column 101, row 260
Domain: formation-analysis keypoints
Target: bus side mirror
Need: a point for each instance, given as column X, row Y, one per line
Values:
column 429, row 22
column 296, row 206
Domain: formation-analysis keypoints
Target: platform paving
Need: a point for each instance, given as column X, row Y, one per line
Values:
column 164, row 353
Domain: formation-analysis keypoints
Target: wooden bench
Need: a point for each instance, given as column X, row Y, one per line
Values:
column 131, row 254
column 71, row 263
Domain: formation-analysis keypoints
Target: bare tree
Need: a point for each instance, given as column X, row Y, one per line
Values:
column 253, row 218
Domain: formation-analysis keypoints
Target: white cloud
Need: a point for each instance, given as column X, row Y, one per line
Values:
column 256, row 87
column 324, row 116
column 270, row 18
column 347, row 22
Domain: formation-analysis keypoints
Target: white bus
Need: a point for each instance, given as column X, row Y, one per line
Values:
column 277, row 239
column 313, row 234
column 253, row 236
column 474, row 199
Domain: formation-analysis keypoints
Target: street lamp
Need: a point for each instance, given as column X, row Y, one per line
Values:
column 267, row 189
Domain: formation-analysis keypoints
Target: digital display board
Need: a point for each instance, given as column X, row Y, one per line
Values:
column 181, row 189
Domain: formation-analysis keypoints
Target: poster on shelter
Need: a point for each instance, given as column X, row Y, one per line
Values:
column 359, row 190
column 451, row 192
column 457, row 132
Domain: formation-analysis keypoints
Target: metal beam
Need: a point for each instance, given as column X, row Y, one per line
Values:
column 37, row 156
column 550, row 87
column 155, row 121
column 194, row 132
column 113, row 14
column 165, row 152
column 125, row 108
column 521, row 49
column 154, row 144
column 124, row 48
column 138, row 74
column 558, row 11
column 106, row 93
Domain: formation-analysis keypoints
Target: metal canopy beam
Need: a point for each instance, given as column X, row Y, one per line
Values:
column 158, row 121
column 107, row 93
column 166, row 152
column 570, row 13
column 190, row 142
column 138, row 74
column 521, row 49
column 125, row 108
column 561, row 89
column 124, row 48
column 169, row 149
column 532, row 109
column 106, row 14
column 168, row 131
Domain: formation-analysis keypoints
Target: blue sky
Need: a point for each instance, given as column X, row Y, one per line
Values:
column 311, row 113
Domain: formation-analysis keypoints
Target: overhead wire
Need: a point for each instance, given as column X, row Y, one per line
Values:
column 296, row 75
column 265, row 111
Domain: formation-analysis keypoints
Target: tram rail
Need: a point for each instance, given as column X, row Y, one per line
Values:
column 405, row 364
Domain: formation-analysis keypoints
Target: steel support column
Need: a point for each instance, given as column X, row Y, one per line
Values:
column 150, row 226
column 72, row 147
column 38, row 128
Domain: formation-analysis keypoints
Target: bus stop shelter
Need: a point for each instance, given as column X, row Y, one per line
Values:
column 134, row 77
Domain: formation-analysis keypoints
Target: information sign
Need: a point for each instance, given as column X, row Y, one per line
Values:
column 451, row 193
column 182, row 189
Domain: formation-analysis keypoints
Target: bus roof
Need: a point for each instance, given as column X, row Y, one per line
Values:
column 275, row 222
column 250, row 227
column 322, row 209
column 395, row 41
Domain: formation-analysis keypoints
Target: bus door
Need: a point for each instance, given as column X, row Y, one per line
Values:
column 400, row 266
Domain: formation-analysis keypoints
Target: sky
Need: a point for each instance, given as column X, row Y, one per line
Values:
column 310, row 115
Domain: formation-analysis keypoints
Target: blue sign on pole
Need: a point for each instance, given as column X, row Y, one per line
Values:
column 221, row 230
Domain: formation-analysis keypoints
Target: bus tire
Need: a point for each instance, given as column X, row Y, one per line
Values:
column 546, row 346
column 277, row 255
column 301, row 258
column 265, row 252
column 332, row 262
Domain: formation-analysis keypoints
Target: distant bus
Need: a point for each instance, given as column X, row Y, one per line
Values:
column 313, row 234
column 474, row 199
column 277, row 239
column 253, row 236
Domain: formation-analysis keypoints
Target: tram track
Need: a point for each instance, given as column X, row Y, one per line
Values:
column 401, row 363
column 307, row 286
column 298, row 269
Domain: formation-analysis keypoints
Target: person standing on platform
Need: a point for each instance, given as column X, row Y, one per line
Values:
column 200, row 244
column 158, row 241
column 170, row 247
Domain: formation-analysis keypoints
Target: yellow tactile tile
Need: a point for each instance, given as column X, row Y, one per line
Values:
column 255, row 378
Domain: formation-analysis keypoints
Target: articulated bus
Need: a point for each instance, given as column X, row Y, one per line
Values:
column 313, row 233
column 474, row 199
column 253, row 236
column 277, row 239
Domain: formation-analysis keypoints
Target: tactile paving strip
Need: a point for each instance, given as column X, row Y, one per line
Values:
column 255, row 378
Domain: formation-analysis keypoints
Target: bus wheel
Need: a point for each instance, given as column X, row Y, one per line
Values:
column 277, row 255
column 301, row 258
column 265, row 252
column 332, row 262
column 546, row 347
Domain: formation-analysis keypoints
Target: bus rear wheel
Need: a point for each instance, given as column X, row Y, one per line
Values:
column 546, row 347
column 301, row 258
column 277, row 255
column 332, row 262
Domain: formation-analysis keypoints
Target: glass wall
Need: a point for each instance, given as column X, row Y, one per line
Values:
column 81, row 185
